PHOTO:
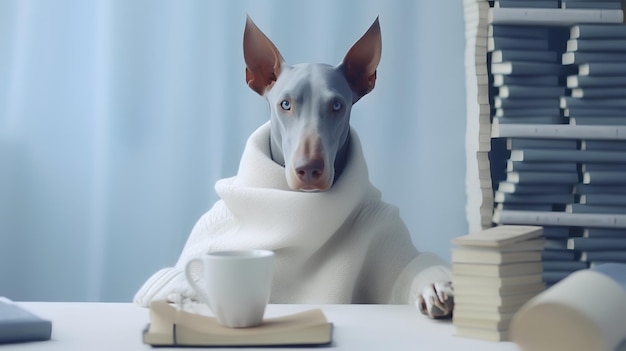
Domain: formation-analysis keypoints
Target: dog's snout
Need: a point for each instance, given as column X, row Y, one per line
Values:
column 310, row 171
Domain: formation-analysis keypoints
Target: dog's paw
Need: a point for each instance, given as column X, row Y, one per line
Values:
column 437, row 300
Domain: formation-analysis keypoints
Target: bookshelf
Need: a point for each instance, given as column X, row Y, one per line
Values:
column 536, row 76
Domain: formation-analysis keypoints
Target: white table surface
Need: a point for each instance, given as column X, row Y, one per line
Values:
column 118, row 326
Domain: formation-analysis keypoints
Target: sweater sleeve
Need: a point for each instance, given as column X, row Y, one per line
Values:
column 170, row 283
column 426, row 268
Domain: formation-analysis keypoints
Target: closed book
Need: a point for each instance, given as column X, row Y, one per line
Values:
column 576, row 81
column 533, row 143
column 20, row 325
column 603, row 199
column 569, row 101
column 477, row 322
column 505, row 30
column 558, row 132
column 171, row 327
column 558, row 255
column 526, row 68
column 544, row 4
column 567, row 4
column 553, row 16
column 606, row 256
column 552, row 277
column 599, row 209
column 602, row 69
column 523, row 92
column 609, row 45
column 529, row 105
column 575, row 57
column 534, row 198
column 524, row 55
column 504, row 290
column 489, row 270
column 603, row 145
column 597, row 121
column 543, row 80
column 569, row 266
column 547, row 155
column 604, row 233
column 556, row 232
column 495, row 283
column 482, row 333
column 467, row 255
column 596, row 244
column 597, row 31
column 528, row 177
column 521, row 166
column 527, row 113
column 603, row 167
column 599, row 189
column 604, row 177
column 604, row 220
column 503, row 43
column 599, row 93
column 514, row 188
column 480, row 300
column 499, row 236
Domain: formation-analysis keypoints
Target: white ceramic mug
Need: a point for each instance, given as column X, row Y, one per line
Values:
column 236, row 285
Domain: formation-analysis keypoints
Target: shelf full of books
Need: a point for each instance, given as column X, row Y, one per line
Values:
column 546, row 125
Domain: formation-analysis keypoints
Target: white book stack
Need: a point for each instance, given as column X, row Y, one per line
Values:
column 495, row 271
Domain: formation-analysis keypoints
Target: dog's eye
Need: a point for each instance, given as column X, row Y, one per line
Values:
column 337, row 105
column 285, row 105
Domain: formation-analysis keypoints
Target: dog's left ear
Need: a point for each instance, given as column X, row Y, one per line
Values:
column 263, row 61
column 359, row 64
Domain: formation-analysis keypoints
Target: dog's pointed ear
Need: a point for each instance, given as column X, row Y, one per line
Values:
column 359, row 64
column 263, row 61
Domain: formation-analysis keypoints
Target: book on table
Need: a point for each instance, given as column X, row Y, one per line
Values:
column 192, row 326
column 20, row 325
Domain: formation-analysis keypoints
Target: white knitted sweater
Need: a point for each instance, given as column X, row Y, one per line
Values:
column 340, row 246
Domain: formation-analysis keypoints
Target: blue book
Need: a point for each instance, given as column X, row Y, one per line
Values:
column 525, row 111
column 529, row 120
column 514, row 188
column 597, row 209
column 599, row 93
column 603, row 199
column 542, row 80
column 605, row 256
column 608, row 45
column 603, row 167
column 569, row 102
column 568, row 4
column 604, row 233
column 533, row 143
column 552, row 277
column 524, row 92
column 598, row 30
column 596, row 244
column 604, row 177
column 597, row 121
column 507, row 30
column 599, row 189
column 498, row 56
column 504, row 43
column 558, row 255
column 542, row 177
column 556, row 232
column 19, row 325
column 576, row 81
column 576, row 57
column 512, row 166
column 595, row 111
column 602, row 68
column 548, row 106
column 547, row 155
column 526, row 68
column 544, row 4
column 525, row 207
column 569, row 266
column 603, row 145
column 534, row 198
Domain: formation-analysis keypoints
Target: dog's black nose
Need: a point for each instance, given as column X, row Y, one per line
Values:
column 310, row 171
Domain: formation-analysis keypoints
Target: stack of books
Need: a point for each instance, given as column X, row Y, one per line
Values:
column 495, row 271
column 557, row 156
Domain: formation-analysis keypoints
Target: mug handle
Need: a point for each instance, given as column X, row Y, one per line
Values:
column 201, row 294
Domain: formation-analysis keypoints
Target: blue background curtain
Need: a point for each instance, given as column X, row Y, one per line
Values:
column 117, row 117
